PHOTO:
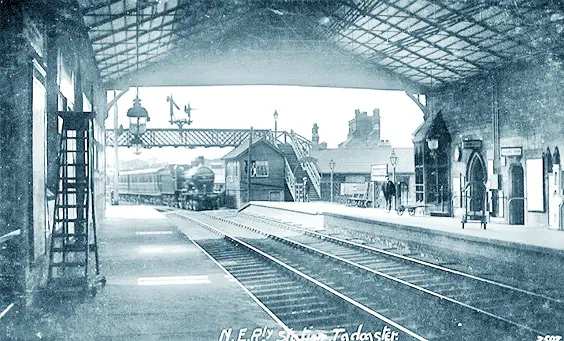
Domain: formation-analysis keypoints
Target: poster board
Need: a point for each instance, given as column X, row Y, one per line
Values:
column 534, row 183
column 378, row 172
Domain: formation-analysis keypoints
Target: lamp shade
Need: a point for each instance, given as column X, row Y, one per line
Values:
column 275, row 115
column 393, row 158
column 433, row 143
column 138, row 117
column 332, row 164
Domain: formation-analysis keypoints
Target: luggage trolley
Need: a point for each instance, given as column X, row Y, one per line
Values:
column 403, row 204
column 477, row 216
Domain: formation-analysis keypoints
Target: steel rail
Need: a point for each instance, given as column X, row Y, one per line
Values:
column 407, row 259
column 248, row 292
column 381, row 274
column 307, row 277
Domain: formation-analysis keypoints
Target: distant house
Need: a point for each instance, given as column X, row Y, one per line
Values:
column 353, row 166
column 266, row 169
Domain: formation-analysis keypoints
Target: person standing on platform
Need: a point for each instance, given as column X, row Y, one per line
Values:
column 389, row 190
column 306, row 189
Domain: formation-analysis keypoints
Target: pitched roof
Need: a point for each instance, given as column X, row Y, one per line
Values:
column 360, row 160
column 240, row 149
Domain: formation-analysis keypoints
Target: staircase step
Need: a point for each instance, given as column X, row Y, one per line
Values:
column 84, row 185
column 64, row 235
column 70, row 248
column 72, row 206
column 68, row 264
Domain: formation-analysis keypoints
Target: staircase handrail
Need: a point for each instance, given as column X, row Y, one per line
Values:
column 290, row 179
column 302, row 147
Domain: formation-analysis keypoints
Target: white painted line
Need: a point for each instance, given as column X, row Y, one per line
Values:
column 5, row 311
column 173, row 280
column 164, row 249
column 153, row 232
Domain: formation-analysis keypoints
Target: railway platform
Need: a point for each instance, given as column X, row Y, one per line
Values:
column 518, row 236
column 160, row 286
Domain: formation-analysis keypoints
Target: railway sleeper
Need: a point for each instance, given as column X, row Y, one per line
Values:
column 246, row 271
column 406, row 272
column 300, row 305
column 318, row 322
column 247, row 264
column 267, row 290
column 412, row 277
column 285, row 295
column 259, row 278
column 331, row 310
column 270, row 284
column 295, row 300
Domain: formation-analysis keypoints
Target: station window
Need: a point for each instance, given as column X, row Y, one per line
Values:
column 260, row 169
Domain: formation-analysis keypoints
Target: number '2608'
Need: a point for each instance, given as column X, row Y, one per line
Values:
column 549, row 338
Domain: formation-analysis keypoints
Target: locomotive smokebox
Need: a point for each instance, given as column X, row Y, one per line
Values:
column 201, row 179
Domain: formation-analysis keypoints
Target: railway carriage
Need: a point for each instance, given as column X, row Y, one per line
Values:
column 172, row 185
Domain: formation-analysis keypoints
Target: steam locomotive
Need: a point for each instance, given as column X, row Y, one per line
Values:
column 174, row 185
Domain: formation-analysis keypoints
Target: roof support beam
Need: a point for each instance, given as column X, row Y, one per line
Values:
column 152, row 41
column 146, row 61
column 417, row 37
column 390, row 56
column 450, row 32
column 170, row 11
column 112, row 17
column 100, row 6
column 383, row 56
column 116, row 43
column 470, row 19
column 105, row 67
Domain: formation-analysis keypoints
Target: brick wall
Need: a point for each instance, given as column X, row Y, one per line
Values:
column 527, row 97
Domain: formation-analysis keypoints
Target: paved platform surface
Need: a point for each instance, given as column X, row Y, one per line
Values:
column 140, row 248
column 533, row 236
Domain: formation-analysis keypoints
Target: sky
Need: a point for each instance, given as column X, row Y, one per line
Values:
column 245, row 106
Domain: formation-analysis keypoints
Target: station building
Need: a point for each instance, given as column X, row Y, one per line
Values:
column 353, row 159
column 267, row 174
column 504, row 130
column 352, row 169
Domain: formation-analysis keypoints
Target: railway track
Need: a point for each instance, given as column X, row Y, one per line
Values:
column 423, row 311
column 528, row 313
column 303, row 304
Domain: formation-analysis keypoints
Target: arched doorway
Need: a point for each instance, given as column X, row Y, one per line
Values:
column 477, row 176
column 516, row 205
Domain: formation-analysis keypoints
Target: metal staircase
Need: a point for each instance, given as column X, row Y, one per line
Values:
column 303, row 148
column 299, row 165
column 73, row 236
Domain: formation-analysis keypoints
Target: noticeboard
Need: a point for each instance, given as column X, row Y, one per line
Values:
column 378, row 172
column 535, row 185
column 511, row 151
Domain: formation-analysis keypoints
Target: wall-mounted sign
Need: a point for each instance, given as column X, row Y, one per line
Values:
column 472, row 144
column 511, row 151
column 378, row 172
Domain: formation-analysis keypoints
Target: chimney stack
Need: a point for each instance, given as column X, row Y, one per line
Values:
column 315, row 136
column 376, row 124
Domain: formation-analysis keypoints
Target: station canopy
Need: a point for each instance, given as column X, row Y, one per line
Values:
column 430, row 43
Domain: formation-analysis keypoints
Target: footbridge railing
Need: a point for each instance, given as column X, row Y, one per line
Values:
column 290, row 180
column 303, row 148
column 186, row 137
column 192, row 138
